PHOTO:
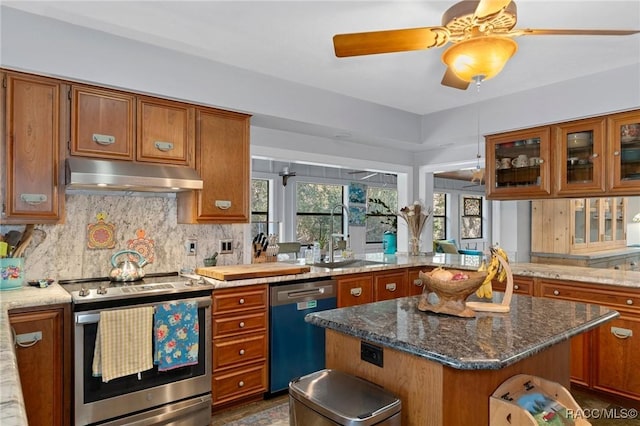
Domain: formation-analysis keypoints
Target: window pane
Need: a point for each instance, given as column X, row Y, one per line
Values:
column 471, row 220
column 438, row 228
column 259, row 205
column 471, row 227
column 313, row 215
column 439, row 218
column 471, row 206
column 382, row 205
column 439, row 204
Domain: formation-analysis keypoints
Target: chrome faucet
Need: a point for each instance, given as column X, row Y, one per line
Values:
column 331, row 234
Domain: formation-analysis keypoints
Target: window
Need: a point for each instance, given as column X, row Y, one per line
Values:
column 382, row 206
column 471, row 223
column 439, row 216
column 259, row 205
column 313, row 212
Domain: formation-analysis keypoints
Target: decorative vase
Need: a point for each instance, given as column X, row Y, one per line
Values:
column 389, row 243
column 414, row 246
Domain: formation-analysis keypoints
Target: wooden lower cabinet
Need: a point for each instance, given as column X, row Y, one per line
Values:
column 355, row 289
column 390, row 285
column 44, row 366
column 606, row 358
column 240, row 344
column 521, row 285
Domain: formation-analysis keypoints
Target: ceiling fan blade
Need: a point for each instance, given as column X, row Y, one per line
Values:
column 489, row 8
column 389, row 41
column 529, row 31
column 452, row 80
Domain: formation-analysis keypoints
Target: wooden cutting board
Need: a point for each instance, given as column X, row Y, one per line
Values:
column 254, row 270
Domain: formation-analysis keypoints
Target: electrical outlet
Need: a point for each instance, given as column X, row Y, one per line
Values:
column 226, row 246
column 192, row 246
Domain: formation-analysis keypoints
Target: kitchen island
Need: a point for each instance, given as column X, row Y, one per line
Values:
column 445, row 368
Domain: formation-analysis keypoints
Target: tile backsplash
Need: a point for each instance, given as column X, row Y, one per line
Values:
column 62, row 252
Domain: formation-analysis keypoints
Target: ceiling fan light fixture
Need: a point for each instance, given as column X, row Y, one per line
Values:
column 482, row 56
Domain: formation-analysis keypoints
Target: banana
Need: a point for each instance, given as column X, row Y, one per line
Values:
column 485, row 288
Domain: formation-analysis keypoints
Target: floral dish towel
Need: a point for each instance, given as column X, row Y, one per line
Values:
column 176, row 332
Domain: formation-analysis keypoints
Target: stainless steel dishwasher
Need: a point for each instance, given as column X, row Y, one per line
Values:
column 296, row 348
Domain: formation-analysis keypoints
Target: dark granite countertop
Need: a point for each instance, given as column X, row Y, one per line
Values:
column 489, row 341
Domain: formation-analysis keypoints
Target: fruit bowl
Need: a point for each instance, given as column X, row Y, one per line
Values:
column 448, row 296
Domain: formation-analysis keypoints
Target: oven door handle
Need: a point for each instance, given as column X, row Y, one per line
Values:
column 87, row 318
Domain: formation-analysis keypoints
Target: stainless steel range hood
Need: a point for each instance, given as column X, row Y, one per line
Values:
column 93, row 174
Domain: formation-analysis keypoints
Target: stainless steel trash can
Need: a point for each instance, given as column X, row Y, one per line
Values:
column 330, row 397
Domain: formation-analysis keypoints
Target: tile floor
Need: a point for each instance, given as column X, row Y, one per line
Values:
column 586, row 400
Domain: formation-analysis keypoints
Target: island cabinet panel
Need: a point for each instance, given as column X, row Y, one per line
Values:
column 415, row 283
column 606, row 358
column 617, row 358
column 390, row 285
column 223, row 161
column 355, row 289
column 102, row 123
column 35, row 110
column 436, row 395
column 240, row 345
column 43, row 363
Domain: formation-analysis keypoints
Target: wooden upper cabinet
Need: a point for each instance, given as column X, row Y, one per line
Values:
column 624, row 152
column 580, row 157
column 222, row 160
column 102, row 123
column 33, row 183
column 165, row 132
column 519, row 164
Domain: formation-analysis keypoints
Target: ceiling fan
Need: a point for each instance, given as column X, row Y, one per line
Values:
column 480, row 32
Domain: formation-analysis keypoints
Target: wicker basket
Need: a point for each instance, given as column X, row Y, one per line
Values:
column 450, row 296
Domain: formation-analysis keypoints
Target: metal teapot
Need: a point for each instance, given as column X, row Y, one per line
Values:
column 127, row 270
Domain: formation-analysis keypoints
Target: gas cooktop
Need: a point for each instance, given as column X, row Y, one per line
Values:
column 89, row 290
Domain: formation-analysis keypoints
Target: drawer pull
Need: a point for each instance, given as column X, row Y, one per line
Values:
column 390, row 287
column 616, row 153
column 241, row 352
column 516, row 287
column 418, row 282
column 33, row 199
column 556, row 292
column 103, row 139
column 223, row 204
column 26, row 340
column 356, row 291
column 621, row 333
column 594, row 155
column 163, row 146
column 240, row 384
column 629, row 302
column 241, row 301
column 241, row 325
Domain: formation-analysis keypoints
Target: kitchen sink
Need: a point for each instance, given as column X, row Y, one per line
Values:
column 348, row 263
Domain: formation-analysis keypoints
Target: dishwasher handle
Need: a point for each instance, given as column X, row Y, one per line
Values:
column 301, row 292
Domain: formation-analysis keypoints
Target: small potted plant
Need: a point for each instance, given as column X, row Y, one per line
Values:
column 389, row 238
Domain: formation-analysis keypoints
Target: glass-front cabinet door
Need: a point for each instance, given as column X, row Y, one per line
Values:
column 580, row 214
column 593, row 232
column 518, row 164
column 624, row 151
column 579, row 157
column 598, row 223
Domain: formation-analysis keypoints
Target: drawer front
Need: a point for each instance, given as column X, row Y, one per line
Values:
column 234, row 300
column 244, row 323
column 390, row 285
column 521, row 285
column 613, row 298
column 232, row 352
column 355, row 290
column 239, row 383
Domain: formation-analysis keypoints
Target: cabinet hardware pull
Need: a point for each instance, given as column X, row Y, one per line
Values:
column 516, row 287
column 26, row 340
column 241, row 301
column 33, row 199
column 240, row 384
column 356, row 291
column 163, row 146
column 594, row 155
column 223, row 204
column 390, row 286
column 241, row 324
column 621, row 333
column 556, row 292
column 103, row 139
column 616, row 152
column 418, row 282
column 241, row 352
column 629, row 302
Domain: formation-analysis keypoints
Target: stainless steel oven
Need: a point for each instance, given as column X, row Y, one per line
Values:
column 180, row 396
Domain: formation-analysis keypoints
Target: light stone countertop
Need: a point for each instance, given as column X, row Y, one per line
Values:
column 12, row 409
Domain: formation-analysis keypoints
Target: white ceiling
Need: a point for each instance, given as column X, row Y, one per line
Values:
column 292, row 40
